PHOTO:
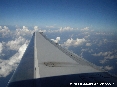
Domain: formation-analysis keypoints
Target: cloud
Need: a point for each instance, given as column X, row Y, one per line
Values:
column 91, row 50
column 4, row 31
column 107, row 56
column 50, row 26
column 57, row 40
column 1, row 47
column 105, row 40
column 84, row 50
column 7, row 66
column 37, row 29
column 88, row 50
column 85, row 29
column 61, row 29
column 65, row 29
column 75, row 43
column 15, row 44
column 108, row 68
column 42, row 30
column 87, row 36
column 23, row 32
column 0, row 27
column 104, row 33
column 103, row 61
column 17, row 37
column 103, row 54
column 88, row 44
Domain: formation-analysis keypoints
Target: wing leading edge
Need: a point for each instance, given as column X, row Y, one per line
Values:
column 47, row 64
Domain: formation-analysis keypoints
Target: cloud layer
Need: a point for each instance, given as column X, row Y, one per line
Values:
column 86, row 40
column 57, row 40
column 107, row 56
column 16, row 43
column 7, row 66
column 63, row 29
column 107, row 68
column 0, row 47
column 4, row 31
column 75, row 43
column 88, row 44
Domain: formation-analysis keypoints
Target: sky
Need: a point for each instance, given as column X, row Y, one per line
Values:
column 86, row 27
column 99, row 14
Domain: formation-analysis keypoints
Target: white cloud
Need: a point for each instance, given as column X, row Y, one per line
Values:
column 42, row 30
column 87, row 36
column 65, row 29
column 85, row 29
column 0, row 27
column 84, row 50
column 15, row 44
column 105, row 40
column 61, row 29
column 88, row 44
column 50, row 26
column 36, row 28
column 108, row 67
column 107, row 56
column 57, row 40
column 4, row 32
column 88, row 50
column 1, row 47
column 7, row 66
column 103, row 54
column 26, row 28
column 23, row 32
column 103, row 61
column 104, row 33
column 75, row 43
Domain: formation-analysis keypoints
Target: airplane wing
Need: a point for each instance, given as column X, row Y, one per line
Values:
column 47, row 64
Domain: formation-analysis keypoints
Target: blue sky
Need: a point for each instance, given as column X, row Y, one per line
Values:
column 86, row 15
column 99, row 14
